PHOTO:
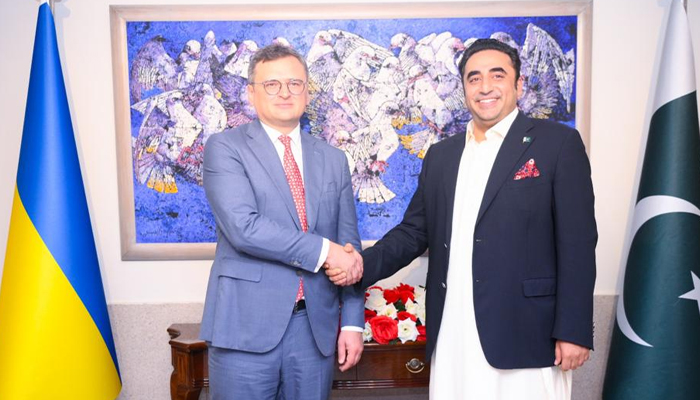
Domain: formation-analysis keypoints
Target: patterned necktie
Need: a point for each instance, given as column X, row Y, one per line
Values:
column 291, row 169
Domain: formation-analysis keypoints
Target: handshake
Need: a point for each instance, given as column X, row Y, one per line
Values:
column 343, row 265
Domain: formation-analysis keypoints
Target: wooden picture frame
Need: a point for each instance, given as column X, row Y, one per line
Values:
column 130, row 21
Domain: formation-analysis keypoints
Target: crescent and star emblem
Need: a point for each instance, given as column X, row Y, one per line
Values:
column 646, row 209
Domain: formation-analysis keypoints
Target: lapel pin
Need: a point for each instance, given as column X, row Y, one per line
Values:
column 527, row 139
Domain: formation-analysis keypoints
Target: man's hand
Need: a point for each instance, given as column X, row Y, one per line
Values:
column 343, row 265
column 350, row 348
column 570, row 356
column 336, row 275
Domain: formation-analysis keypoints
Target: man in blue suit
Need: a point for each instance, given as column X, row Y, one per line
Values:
column 282, row 201
column 506, row 211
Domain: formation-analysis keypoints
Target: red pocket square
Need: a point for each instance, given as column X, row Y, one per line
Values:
column 528, row 170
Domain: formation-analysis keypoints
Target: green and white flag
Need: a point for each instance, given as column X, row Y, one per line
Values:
column 655, row 349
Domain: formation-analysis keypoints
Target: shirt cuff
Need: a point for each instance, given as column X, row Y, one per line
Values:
column 324, row 254
column 352, row 328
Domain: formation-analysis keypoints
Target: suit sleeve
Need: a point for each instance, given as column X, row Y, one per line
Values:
column 576, row 237
column 403, row 243
column 232, row 200
column 352, row 297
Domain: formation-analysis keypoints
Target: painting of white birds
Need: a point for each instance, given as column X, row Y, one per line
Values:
column 382, row 91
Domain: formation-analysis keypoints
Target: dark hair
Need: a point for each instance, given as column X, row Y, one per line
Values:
column 273, row 52
column 491, row 44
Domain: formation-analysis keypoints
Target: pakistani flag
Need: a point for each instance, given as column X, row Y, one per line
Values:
column 655, row 349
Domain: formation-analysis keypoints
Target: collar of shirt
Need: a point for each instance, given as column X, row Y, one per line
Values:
column 295, row 135
column 274, row 135
column 500, row 130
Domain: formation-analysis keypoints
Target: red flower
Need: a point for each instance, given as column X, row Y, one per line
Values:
column 405, row 292
column 402, row 315
column 391, row 296
column 421, row 333
column 369, row 314
column 384, row 329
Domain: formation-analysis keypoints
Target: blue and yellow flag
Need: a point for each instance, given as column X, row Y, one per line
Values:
column 55, row 337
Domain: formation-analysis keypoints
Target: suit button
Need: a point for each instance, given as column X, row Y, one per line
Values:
column 299, row 273
column 478, row 281
column 477, row 240
column 445, row 245
column 444, row 286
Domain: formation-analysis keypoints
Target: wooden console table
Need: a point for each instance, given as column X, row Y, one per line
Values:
column 381, row 366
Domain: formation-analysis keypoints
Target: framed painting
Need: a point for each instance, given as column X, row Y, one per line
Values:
column 383, row 81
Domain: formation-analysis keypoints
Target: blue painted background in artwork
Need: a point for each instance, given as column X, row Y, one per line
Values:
column 185, row 217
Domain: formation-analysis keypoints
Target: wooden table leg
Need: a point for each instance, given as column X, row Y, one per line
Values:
column 189, row 360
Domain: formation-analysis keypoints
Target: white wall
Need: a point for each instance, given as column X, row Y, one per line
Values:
column 626, row 35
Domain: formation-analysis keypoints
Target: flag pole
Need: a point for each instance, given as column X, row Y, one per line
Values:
column 685, row 5
column 52, row 1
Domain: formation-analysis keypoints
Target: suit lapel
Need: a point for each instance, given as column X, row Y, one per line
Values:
column 511, row 150
column 451, row 162
column 313, row 177
column 266, row 154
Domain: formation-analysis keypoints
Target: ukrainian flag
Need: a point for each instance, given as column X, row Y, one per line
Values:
column 55, row 337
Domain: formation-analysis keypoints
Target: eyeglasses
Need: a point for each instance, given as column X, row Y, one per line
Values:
column 273, row 86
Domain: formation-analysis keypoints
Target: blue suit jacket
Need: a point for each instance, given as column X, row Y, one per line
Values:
column 534, row 250
column 262, row 251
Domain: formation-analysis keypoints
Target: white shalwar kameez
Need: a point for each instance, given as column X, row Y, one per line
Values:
column 459, row 369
